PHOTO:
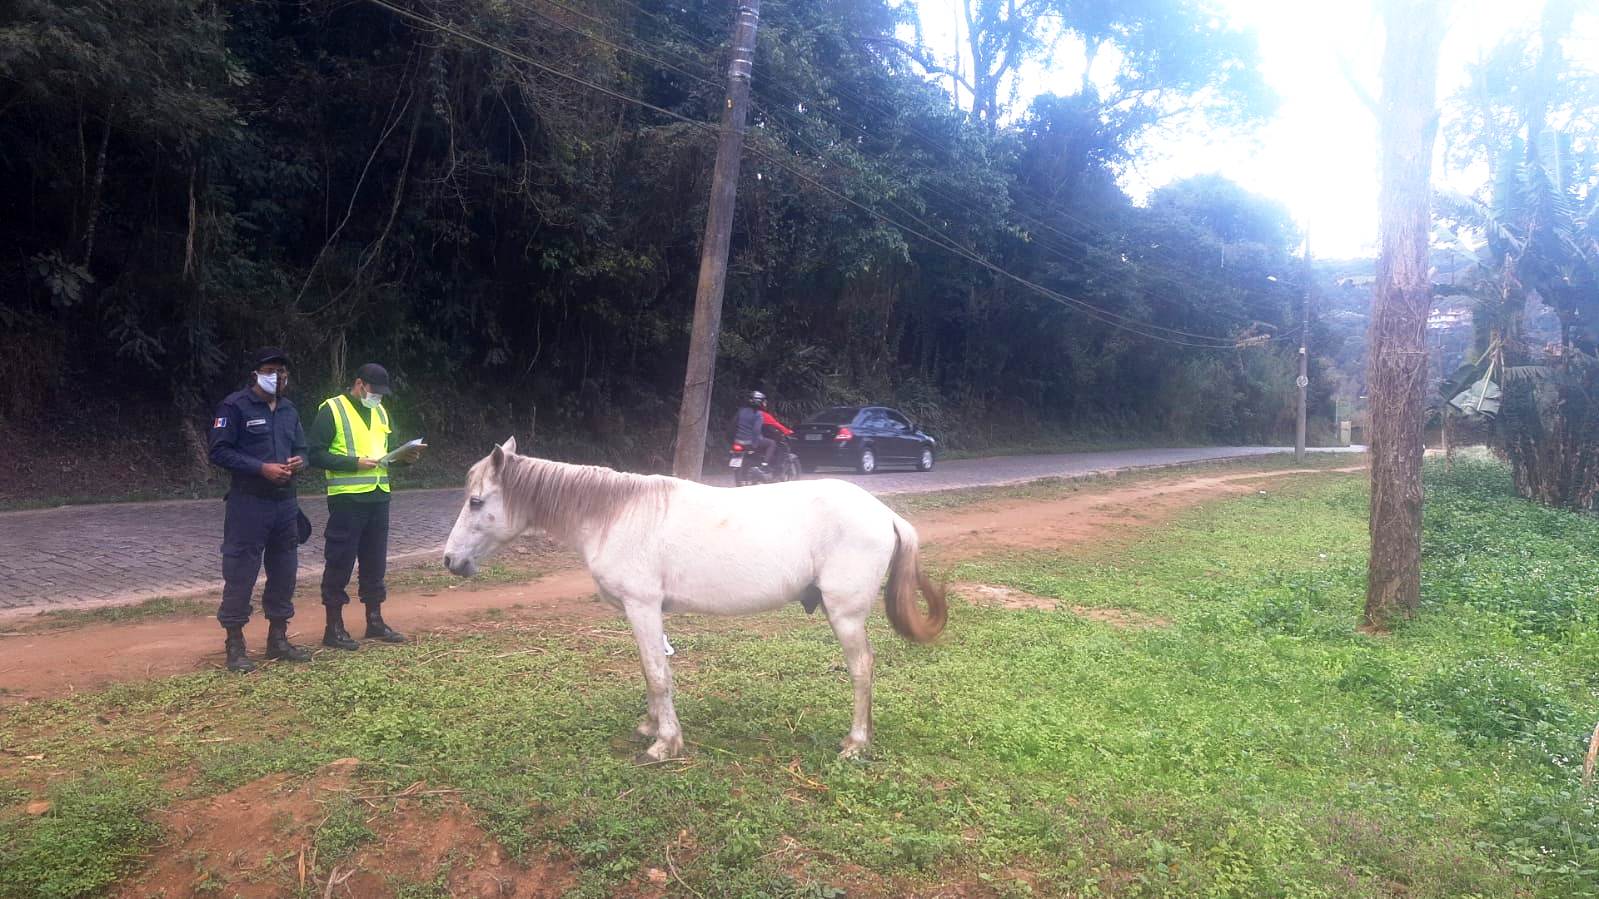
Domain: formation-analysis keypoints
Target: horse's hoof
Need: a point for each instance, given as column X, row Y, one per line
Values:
column 661, row 751
column 852, row 751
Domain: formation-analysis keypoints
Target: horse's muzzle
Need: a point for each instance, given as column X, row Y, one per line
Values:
column 460, row 565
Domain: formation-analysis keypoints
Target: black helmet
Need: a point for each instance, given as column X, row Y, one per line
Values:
column 757, row 399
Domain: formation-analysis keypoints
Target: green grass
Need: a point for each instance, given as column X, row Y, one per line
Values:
column 1257, row 746
column 93, row 832
column 156, row 607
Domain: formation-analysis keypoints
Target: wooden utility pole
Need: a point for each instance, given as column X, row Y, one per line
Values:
column 1407, row 127
column 1303, row 381
column 693, row 417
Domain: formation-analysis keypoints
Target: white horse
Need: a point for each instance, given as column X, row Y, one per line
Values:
column 656, row 544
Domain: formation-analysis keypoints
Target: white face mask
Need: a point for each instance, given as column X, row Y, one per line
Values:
column 267, row 383
column 371, row 401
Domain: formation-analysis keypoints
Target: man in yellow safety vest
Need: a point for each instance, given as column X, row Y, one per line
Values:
column 348, row 442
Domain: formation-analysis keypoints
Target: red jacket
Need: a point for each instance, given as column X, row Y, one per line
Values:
column 770, row 420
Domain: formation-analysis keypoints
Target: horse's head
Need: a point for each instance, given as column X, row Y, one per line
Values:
column 485, row 523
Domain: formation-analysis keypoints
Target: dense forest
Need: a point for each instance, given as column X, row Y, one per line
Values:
column 503, row 202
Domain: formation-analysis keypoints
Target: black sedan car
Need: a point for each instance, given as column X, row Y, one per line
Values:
column 862, row 438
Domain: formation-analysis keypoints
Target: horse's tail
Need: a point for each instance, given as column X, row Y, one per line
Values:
column 905, row 574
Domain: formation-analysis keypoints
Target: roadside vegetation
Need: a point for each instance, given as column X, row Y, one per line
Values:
column 1226, row 732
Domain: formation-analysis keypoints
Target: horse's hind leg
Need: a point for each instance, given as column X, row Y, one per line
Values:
column 849, row 625
column 645, row 619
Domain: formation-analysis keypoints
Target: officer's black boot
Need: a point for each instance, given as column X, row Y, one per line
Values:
column 237, row 660
column 377, row 630
column 278, row 645
column 335, row 635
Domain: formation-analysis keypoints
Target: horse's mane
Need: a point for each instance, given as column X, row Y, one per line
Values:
column 560, row 498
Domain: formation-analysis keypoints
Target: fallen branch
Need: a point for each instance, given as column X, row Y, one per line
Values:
column 447, row 652
column 687, row 763
column 521, row 652
column 336, row 879
column 409, row 795
column 793, row 771
column 676, row 876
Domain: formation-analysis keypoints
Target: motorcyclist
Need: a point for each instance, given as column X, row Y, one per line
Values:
column 768, row 420
column 749, row 428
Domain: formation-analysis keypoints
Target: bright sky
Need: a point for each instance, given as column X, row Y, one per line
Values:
column 1319, row 155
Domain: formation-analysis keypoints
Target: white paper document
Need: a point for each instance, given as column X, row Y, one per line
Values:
column 389, row 459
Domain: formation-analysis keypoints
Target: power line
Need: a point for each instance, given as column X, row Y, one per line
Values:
column 1182, row 281
column 947, row 243
column 771, row 112
column 614, row 46
column 1105, row 316
column 520, row 57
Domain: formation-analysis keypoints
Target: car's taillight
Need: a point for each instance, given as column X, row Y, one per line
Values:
column 844, row 434
column 738, row 447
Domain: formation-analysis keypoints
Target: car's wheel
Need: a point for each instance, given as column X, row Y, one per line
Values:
column 925, row 462
column 867, row 463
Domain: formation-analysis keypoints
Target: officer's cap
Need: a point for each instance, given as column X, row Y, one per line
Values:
column 375, row 376
column 270, row 354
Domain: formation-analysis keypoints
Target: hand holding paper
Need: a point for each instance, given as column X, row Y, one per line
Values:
column 408, row 453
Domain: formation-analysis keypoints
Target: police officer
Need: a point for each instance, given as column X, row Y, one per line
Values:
column 256, row 435
column 349, row 439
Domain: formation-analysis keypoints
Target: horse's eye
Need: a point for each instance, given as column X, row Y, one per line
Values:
column 475, row 502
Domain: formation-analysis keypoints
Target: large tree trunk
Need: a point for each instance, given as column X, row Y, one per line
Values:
column 1408, row 124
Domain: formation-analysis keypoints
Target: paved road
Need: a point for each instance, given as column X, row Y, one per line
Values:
column 109, row 554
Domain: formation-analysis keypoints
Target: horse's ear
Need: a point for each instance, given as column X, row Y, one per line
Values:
column 509, row 446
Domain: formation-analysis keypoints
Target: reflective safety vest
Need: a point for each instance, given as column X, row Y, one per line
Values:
column 352, row 437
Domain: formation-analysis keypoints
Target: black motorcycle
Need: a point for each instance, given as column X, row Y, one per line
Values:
column 747, row 468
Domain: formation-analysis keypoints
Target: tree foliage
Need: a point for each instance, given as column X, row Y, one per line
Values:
column 185, row 179
column 1526, row 112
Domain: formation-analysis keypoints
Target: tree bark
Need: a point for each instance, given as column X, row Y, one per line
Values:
column 97, row 189
column 188, row 240
column 1408, row 125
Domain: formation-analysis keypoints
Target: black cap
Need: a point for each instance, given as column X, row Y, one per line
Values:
column 269, row 354
column 375, row 376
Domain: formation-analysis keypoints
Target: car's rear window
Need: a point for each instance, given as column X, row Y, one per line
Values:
column 838, row 415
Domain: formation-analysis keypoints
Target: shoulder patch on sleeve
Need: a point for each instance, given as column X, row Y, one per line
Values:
column 220, row 422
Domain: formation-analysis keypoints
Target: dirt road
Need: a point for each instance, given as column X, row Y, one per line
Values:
column 84, row 556
column 51, row 662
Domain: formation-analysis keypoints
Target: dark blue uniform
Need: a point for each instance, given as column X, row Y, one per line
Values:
column 262, row 518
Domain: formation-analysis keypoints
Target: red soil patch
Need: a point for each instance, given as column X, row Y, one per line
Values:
column 259, row 841
column 1095, row 518
column 1010, row 598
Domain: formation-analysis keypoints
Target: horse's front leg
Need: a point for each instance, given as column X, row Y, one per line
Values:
column 646, row 726
column 849, row 625
column 645, row 619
